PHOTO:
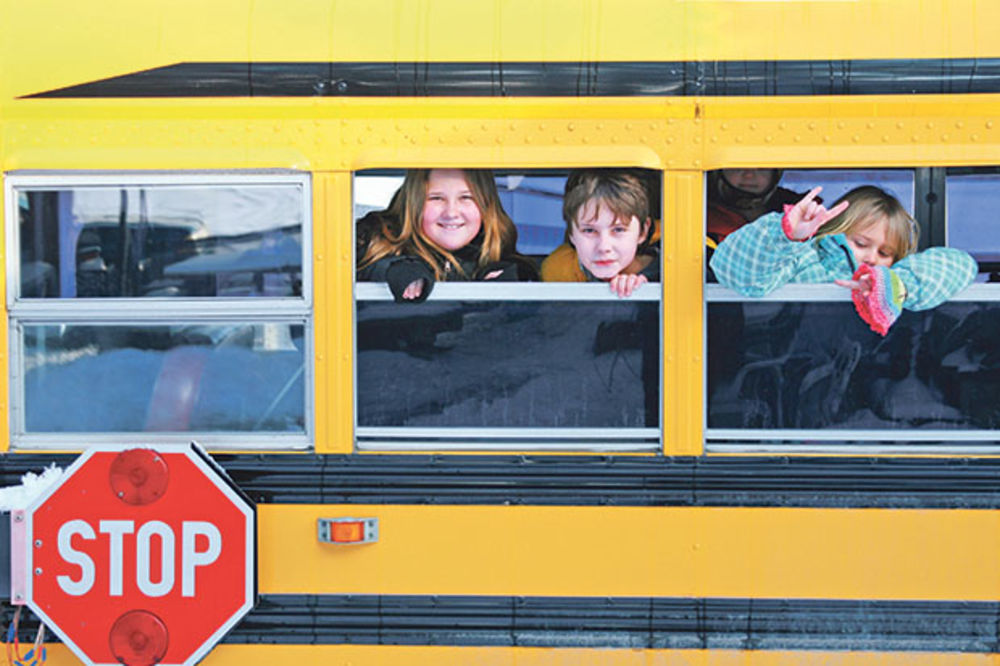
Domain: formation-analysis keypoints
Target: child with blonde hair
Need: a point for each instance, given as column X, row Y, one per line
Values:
column 865, row 242
column 442, row 224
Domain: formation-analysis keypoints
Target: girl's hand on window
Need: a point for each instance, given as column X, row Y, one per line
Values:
column 493, row 274
column 803, row 219
column 624, row 285
column 862, row 285
column 413, row 290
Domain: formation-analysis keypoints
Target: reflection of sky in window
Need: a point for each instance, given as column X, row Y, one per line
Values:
column 220, row 210
column 972, row 213
column 898, row 183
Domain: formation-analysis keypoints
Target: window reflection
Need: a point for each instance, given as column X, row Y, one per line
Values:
column 161, row 241
column 815, row 365
column 244, row 377
column 508, row 364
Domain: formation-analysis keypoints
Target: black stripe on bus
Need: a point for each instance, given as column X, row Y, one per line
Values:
column 837, row 482
column 624, row 622
column 549, row 79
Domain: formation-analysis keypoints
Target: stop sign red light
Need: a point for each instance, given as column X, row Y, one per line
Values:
column 141, row 556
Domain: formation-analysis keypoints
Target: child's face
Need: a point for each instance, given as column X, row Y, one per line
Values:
column 605, row 245
column 755, row 181
column 871, row 245
column 450, row 217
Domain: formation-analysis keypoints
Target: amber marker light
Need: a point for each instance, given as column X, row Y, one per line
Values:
column 347, row 530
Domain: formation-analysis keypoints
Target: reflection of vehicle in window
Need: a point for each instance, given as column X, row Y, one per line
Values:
column 202, row 322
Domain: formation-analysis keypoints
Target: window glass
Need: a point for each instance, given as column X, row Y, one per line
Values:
column 161, row 241
column 816, row 366
column 195, row 376
column 524, row 364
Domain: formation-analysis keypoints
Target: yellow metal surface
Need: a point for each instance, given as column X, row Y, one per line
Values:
column 683, row 343
column 334, row 320
column 38, row 53
column 638, row 551
column 346, row 135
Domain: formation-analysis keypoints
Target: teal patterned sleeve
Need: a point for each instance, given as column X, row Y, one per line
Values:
column 933, row 276
column 758, row 258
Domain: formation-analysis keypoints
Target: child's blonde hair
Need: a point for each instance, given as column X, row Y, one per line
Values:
column 868, row 204
column 401, row 233
column 622, row 192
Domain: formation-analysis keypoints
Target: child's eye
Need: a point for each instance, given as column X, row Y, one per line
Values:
column 587, row 230
column 620, row 229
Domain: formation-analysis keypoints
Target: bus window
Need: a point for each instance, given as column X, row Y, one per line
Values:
column 160, row 304
column 508, row 365
column 799, row 364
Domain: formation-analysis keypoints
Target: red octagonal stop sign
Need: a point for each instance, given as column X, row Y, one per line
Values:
column 142, row 556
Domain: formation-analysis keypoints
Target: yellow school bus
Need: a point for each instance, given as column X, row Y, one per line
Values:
column 559, row 476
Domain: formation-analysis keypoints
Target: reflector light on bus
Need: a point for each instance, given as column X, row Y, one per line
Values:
column 347, row 530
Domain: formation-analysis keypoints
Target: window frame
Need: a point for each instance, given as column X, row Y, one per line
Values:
column 153, row 311
column 418, row 439
column 929, row 205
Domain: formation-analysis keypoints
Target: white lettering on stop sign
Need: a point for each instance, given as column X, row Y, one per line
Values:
column 190, row 557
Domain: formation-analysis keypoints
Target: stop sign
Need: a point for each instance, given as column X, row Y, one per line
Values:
column 141, row 556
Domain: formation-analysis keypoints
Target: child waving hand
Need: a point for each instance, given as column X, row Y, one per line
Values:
column 865, row 242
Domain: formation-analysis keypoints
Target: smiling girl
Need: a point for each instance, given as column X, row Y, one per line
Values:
column 442, row 224
column 853, row 244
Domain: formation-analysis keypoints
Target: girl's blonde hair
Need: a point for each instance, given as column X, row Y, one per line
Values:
column 868, row 204
column 401, row 233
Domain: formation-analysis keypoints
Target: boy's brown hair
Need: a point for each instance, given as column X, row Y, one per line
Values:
column 621, row 190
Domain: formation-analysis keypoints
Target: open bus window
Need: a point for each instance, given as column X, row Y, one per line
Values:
column 799, row 369
column 511, row 365
column 972, row 197
column 160, row 304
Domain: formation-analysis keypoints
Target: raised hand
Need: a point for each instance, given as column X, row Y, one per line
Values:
column 803, row 219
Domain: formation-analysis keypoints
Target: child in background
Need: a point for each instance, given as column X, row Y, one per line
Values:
column 442, row 224
column 866, row 242
column 609, row 233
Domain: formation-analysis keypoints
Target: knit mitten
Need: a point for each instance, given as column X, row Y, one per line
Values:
column 884, row 303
